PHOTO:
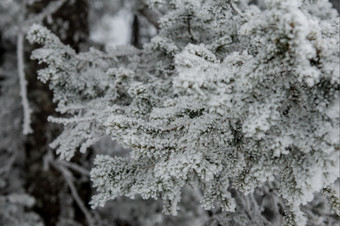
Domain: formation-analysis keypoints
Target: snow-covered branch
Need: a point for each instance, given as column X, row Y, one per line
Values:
column 23, row 85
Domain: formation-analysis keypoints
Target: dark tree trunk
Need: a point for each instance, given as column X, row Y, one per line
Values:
column 135, row 39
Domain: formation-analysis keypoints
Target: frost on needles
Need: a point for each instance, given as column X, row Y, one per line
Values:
column 227, row 95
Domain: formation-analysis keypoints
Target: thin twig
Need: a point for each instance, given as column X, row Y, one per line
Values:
column 8, row 166
column 49, row 10
column 235, row 9
column 151, row 16
column 67, row 176
column 189, row 30
column 75, row 167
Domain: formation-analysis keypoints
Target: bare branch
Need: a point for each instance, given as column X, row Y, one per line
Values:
column 151, row 15
column 67, row 176
column 75, row 167
column 49, row 10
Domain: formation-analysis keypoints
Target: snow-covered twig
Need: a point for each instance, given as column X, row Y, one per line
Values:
column 49, row 10
column 236, row 9
column 23, row 85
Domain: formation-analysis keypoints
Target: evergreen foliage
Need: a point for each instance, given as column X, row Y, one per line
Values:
column 228, row 97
